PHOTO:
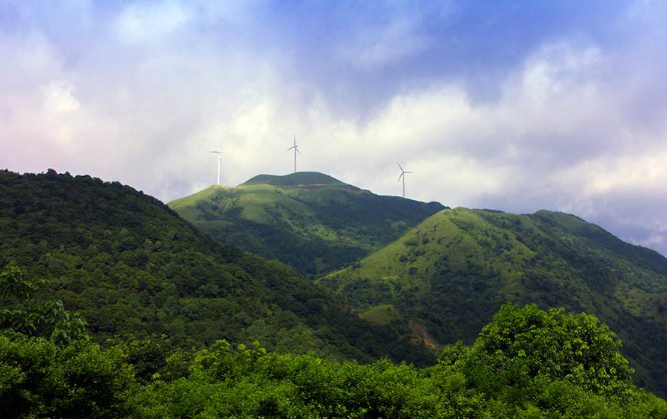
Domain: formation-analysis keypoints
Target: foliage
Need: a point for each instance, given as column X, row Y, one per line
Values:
column 27, row 314
column 80, row 380
column 530, row 344
column 42, row 380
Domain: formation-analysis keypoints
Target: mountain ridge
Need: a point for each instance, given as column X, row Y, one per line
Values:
column 309, row 220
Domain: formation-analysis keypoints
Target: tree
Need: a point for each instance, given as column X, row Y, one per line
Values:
column 531, row 344
column 39, row 379
column 22, row 311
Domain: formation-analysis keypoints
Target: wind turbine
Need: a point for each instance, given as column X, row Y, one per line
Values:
column 402, row 176
column 296, row 150
column 219, row 153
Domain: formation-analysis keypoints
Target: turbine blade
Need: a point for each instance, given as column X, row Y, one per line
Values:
column 399, row 166
column 399, row 177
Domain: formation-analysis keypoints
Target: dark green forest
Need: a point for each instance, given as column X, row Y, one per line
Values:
column 131, row 267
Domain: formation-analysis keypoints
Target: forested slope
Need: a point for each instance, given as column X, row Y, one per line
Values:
column 131, row 266
column 446, row 277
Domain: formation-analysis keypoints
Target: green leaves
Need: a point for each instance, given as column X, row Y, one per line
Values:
column 80, row 380
column 36, row 316
column 557, row 346
column 14, row 283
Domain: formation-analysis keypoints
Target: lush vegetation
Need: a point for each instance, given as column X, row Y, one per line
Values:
column 310, row 221
column 133, row 269
column 111, row 306
column 526, row 363
column 446, row 277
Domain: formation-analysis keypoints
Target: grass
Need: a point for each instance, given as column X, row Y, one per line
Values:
column 451, row 272
column 460, row 234
column 309, row 220
column 382, row 314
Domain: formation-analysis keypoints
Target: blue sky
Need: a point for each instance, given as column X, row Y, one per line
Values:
column 515, row 105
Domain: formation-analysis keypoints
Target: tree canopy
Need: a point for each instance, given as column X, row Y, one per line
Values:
column 499, row 376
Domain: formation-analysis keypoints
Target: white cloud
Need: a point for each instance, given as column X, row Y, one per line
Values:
column 58, row 97
column 557, row 69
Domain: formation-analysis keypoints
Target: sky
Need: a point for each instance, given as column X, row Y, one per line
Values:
column 503, row 104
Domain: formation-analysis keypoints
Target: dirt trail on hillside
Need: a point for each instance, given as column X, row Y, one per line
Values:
column 423, row 335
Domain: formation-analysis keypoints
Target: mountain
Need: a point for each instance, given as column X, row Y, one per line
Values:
column 446, row 277
column 133, row 267
column 308, row 220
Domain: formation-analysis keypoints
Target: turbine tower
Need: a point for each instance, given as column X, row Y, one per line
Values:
column 296, row 150
column 219, row 153
column 402, row 176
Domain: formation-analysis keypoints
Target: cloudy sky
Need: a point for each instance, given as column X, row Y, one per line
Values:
column 517, row 105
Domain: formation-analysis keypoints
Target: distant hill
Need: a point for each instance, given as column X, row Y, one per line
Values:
column 446, row 277
column 131, row 266
column 308, row 220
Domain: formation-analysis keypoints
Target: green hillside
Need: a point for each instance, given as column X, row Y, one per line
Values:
column 132, row 267
column 446, row 277
column 308, row 220
column 158, row 295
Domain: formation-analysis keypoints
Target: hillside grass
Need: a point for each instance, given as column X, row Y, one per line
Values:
column 310, row 221
column 452, row 271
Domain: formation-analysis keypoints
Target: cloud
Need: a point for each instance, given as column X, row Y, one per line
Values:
column 517, row 106
column 58, row 97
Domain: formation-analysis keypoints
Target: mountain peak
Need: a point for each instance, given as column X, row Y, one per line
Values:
column 298, row 179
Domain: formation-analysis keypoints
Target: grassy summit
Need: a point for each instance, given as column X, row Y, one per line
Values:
column 302, row 179
column 311, row 221
column 446, row 277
